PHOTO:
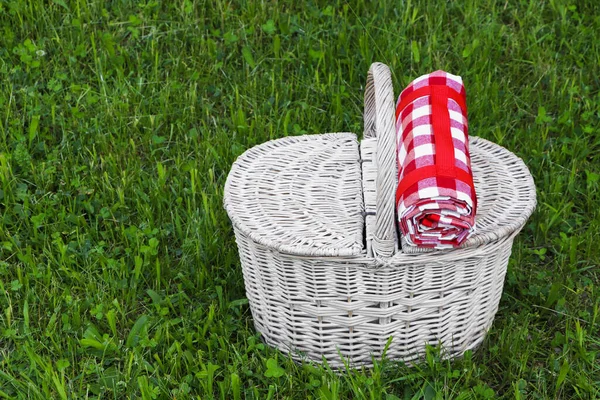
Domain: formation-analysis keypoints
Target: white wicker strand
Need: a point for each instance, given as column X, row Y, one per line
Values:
column 379, row 123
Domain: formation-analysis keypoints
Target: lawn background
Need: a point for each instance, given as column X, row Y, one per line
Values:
column 119, row 121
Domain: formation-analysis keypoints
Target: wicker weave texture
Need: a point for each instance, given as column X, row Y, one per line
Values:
column 300, row 194
column 319, row 290
column 326, row 308
column 379, row 124
column 319, row 306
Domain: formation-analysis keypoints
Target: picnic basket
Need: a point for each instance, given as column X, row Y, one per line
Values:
column 314, row 222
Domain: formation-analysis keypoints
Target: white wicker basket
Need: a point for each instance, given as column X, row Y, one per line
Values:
column 313, row 218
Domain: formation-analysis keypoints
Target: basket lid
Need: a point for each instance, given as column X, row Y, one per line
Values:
column 300, row 195
column 505, row 190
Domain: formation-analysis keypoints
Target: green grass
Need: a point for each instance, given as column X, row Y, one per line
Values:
column 119, row 121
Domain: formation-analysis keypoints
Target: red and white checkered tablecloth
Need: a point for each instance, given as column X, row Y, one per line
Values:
column 436, row 200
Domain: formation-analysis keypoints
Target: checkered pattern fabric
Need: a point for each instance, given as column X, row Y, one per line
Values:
column 436, row 200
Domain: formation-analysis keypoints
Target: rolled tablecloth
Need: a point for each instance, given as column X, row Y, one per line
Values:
column 435, row 199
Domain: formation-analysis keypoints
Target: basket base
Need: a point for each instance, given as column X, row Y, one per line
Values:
column 345, row 363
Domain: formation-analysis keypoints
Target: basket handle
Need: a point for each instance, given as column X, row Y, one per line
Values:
column 379, row 120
